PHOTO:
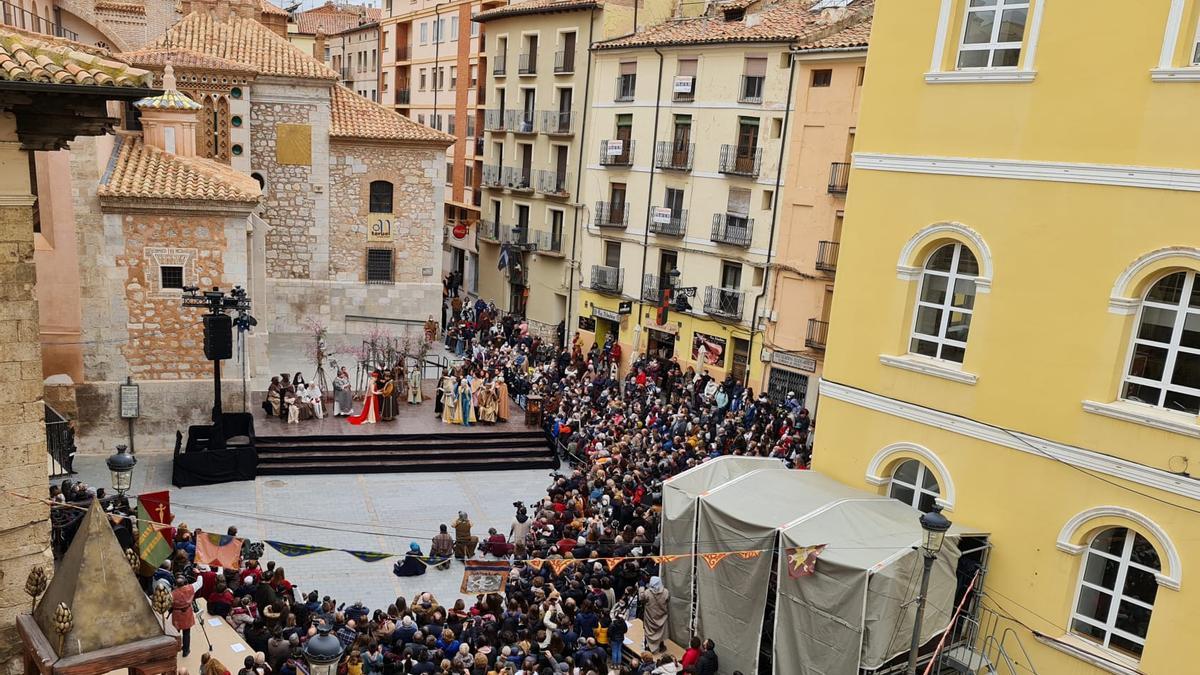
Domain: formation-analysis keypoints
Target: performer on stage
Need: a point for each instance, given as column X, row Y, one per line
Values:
column 343, row 400
column 487, row 402
column 502, row 399
column 370, row 411
column 439, row 396
column 387, row 398
column 414, row 385
column 450, row 401
column 466, row 400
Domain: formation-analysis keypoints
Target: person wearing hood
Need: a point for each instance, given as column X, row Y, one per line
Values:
column 519, row 533
column 654, row 600
column 413, row 564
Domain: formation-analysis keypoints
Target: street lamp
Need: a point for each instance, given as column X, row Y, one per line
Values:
column 322, row 652
column 935, row 526
column 121, row 465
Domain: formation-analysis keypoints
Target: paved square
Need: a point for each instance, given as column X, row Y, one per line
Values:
column 367, row 512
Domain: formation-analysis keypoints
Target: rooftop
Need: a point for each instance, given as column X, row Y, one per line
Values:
column 781, row 21
column 269, row 7
column 333, row 18
column 182, row 59
column 245, row 41
column 139, row 171
column 120, row 6
column 537, row 7
column 49, row 60
column 356, row 117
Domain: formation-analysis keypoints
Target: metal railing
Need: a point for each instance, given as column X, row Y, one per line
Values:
column 403, row 96
column 612, row 214
column 726, row 303
column 684, row 96
column 489, row 230
column 499, row 65
column 564, row 62
column 557, row 123
column 752, row 89
column 622, row 158
column 527, row 64
column 547, row 242
column 827, row 256
column 517, row 236
column 519, row 121
column 818, row 334
column 672, row 155
column 728, row 228
column 650, row 287
column 741, row 160
column 491, row 176
column 839, row 178
column 60, row 443
column 517, row 177
column 493, row 120
column 24, row 19
column 402, row 54
column 626, row 87
column 607, row 279
column 553, row 183
column 676, row 226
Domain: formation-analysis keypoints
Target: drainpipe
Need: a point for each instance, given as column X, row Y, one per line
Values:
column 587, row 87
column 787, row 114
column 649, row 191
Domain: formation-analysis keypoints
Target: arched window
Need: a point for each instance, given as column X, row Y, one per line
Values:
column 1117, row 585
column 914, row 484
column 1164, row 367
column 945, row 303
column 381, row 196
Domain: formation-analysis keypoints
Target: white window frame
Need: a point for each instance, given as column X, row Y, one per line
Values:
column 919, row 489
column 423, row 32
column 946, row 306
column 992, row 46
column 1182, row 311
column 1117, row 592
column 1024, row 72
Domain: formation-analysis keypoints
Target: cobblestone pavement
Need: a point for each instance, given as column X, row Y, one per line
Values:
column 368, row 512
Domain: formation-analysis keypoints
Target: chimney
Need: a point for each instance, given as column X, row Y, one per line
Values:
column 319, row 46
column 169, row 119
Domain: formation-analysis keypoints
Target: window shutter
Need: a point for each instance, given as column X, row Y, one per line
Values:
column 629, row 67
column 687, row 67
column 756, row 66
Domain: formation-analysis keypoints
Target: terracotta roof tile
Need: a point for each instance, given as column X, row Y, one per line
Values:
column 48, row 60
column 182, row 59
column 333, row 18
column 537, row 7
column 356, row 117
column 121, row 7
column 269, row 7
column 138, row 171
column 856, row 35
column 245, row 41
column 782, row 21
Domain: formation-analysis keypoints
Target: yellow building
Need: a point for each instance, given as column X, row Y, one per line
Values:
column 1016, row 327
column 683, row 169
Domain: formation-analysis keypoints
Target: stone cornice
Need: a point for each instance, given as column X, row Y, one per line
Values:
column 200, row 207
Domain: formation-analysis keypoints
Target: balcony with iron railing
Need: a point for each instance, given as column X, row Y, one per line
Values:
column 684, row 94
column 732, row 229
column 489, row 230
column 492, row 176
column 557, row 123
column 626, row 87
column 493, row 120
column 818, row 334
column 403, row 96
column 479, row 147
column 499, row 65
column 517, row 236
column 19, row 17
column 740, row 160
column 650, row 287
column 673, row 155
column 612, row 214
column 752, row 89
column 527, row 64
column 517, row 178
column 724, row 303
column 616, row 152
column 553, row 183
column 520, row 121
column 827, row 256
column 547, row 242
column 607, row 279
column 839, row 178
column 674, row 226
column 564, row 62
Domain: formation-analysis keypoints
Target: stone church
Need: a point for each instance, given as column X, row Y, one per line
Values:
column 255, row 168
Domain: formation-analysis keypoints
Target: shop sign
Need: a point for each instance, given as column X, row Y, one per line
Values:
column 708, row 350
column 626, row 307
column 601, row 313
column 379, row 228
column 587, row 323
column 793, row 361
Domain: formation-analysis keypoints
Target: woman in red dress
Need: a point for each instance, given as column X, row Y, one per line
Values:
column 370, row 411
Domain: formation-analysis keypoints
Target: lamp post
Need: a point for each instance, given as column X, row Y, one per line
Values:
column 935, row 526
column 322, row 652
column 121, row 464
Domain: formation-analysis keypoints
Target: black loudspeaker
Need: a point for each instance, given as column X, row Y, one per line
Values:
column 218, row 337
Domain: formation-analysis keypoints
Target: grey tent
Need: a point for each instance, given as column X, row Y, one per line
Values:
column 679, row 503
column 852, row 615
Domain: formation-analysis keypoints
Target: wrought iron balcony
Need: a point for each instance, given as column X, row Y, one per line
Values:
column 728, row 228
column 672, row 155
column 564, row 62
column 818, row 334
column 607, row 279
column 527, row 64
column 499, row 62
column 650, row 287
column 685, row 96
column 491, row 176
column 489, row 230
column 614, row 155
column 752, row 89
column 519, row 121
column 626, row 87
column 547, row 242
column 553, row 183
column 741, row 160
column 612, row 214
column 518, row 236
column 725, row 303
column 675, row 226
column 555, row 123
column 479, row 147
column 403, row 96
column 839, row 178
column 493, row 120
column 827, row 256
column 517, row 178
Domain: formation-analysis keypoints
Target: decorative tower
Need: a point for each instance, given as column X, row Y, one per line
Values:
column 169, row 119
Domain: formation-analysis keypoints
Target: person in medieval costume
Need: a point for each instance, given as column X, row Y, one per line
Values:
column 313, row 396
column 654, row 599
column 466, row 400
column 414, row 385
column 487, row 403
column 182, row 616
column 343, row 399
column 273, row 402
column 501, row 399
column 440, row 394
column 464, row 541
column 450, row 401
column 387, row 398
column 370, row 410
column 400, row 377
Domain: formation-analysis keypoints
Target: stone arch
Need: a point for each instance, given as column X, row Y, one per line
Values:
column 909, row 266
column 879, row 470
column 86, row 14
column 1079, row 530
column 1127, row 290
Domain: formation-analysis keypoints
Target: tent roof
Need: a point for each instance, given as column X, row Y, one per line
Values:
column 700, row 479
column 771, row 498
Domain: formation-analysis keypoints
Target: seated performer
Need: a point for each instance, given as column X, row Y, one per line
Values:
column 413, row 564
column 313, row 398
column 487, row 402
column 442, row 549
column 464, row 542
column 496, row 544
column 272, row 402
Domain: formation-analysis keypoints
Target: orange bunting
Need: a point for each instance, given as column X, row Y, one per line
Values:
column 535, row 564
column 713, row 559
column 747, row 555
column 613, row 562
column 561, row 564
column 664, row 559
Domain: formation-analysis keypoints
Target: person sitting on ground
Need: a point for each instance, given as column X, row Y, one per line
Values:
column 442, row 549
column 413, row 564
column 496, row 544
